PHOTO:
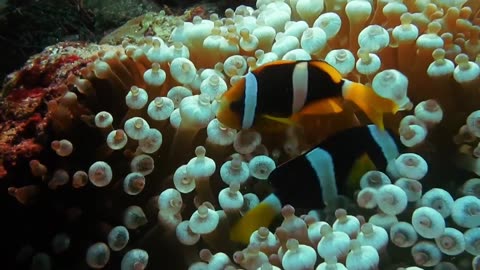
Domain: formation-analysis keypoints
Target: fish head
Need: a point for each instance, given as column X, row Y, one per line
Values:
column 230, row 106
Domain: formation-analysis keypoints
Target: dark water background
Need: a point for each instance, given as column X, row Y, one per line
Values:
column 28, row 26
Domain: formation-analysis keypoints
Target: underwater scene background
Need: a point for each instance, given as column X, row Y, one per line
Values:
column 111, row 155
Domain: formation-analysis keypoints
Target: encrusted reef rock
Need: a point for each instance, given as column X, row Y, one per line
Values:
column 29, row 94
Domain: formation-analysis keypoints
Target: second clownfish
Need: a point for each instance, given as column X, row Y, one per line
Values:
column 315, row 178
column 285, row 90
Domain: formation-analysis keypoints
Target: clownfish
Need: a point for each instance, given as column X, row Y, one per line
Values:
column 319, row 175
column 284, row 90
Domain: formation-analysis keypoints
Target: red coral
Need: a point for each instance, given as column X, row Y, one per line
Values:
column 23, row 94
column 24, row 112
column 15, row 140
column 199, row 10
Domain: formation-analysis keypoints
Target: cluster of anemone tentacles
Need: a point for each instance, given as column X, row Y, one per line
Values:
column 183, row 178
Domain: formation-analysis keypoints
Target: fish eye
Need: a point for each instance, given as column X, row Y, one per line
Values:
column 236, row 106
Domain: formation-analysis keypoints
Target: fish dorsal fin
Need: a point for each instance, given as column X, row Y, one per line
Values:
column 329, row 69
column 273, row 63
column 322, row 107
column 373, row 105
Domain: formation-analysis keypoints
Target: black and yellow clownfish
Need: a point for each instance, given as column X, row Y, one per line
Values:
column 316, row 177
column 283, row 90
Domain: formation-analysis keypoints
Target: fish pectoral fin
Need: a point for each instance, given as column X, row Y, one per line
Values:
column 261, row 215
column 282, row 120
column 373, row 105
column 322, row 107
column 362, row 165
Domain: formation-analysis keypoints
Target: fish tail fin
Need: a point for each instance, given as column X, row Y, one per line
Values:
column 373, row 105
column 261, row 215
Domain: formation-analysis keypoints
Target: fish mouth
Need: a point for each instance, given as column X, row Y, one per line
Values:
column 219, row 104
column 216, row 107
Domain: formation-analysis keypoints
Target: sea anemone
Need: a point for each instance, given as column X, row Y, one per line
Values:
column 134, row 123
